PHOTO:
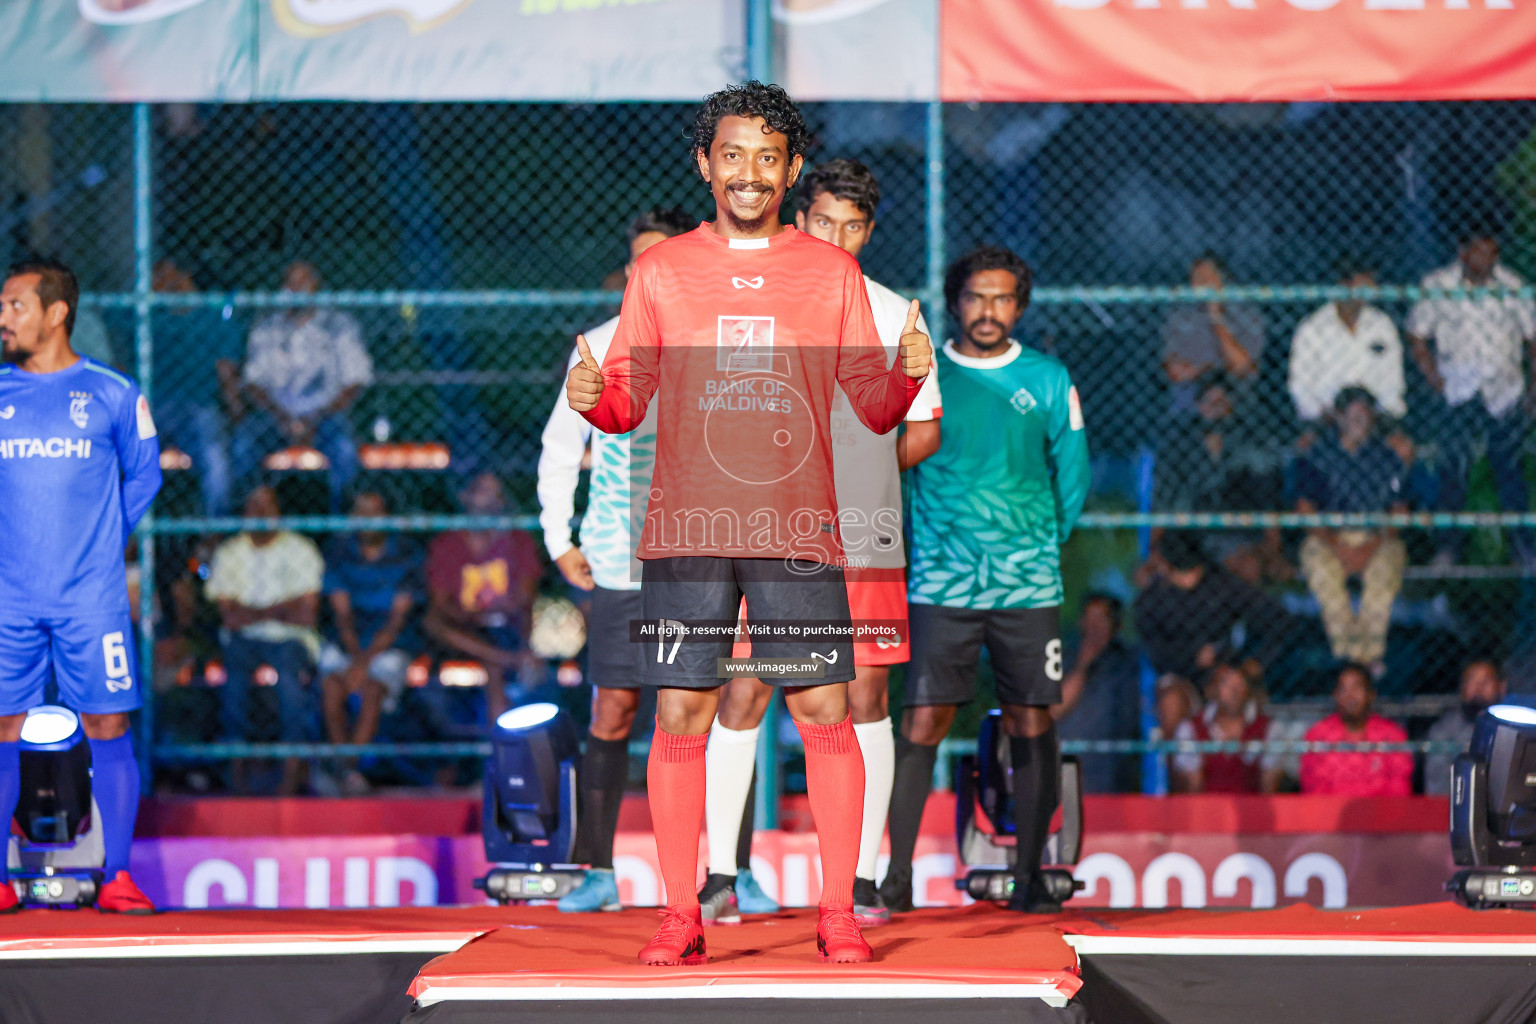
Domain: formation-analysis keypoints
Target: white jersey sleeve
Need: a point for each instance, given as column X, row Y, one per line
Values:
column 565, row 440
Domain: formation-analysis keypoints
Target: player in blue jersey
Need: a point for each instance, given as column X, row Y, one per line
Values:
column 79, row 465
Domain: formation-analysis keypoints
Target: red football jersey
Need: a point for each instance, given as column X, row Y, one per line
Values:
column 744, row 339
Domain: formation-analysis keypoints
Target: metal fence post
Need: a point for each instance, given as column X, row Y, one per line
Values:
column 770, row 773
column 144, row 348
column 934, row 219
column 760, row 40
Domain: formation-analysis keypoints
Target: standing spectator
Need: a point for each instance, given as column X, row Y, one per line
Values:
column 1214, row 336
column 1101, row 695
column 1194, row 614
column 1476, row 367
column 372, row 581
column 267, row 587
column 1482, row 686
column 1356, row 774
column 196, row 371
column 1231, row 713
column 1346, row 343
column 1354, row 471
column 304, row 368
column 481, row 585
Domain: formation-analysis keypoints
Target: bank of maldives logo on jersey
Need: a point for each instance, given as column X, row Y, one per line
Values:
column 744, row 343
column 77, row 403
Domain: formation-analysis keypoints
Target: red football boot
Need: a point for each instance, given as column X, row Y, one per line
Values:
column 679, row 940
column 121, row 896
column 838, row 939
column 9, row 901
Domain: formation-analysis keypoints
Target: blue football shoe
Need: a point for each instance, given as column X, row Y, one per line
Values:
column 750, row 898
column 598, row 891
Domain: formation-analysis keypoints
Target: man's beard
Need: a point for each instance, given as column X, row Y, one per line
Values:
column 970, row 335
column 747, row 226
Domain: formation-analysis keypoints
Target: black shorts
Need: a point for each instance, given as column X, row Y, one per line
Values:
column 613, row 657
column 692, row 602
column 1025, row 645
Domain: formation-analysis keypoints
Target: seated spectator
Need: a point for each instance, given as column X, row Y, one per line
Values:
column 1188, row 615
column 1353, row 470
column 1346, row 343
column 371, row 579
column 1231, row 714
column 303, row 370
column 1176, row 700
column 267, row 588
column 1207, row 462
column 1356, row 774
column 1482, row 686
column 196, row 380
column 1101, row 696
column 480, row 587
column 1213, row 336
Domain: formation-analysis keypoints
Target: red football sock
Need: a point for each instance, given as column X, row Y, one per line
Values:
column 674, row 782
column 834, row 775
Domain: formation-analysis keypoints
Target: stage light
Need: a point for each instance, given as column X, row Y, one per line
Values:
column 527, row 717
column 1514, row 714
column 1493, row 810
column 528, row 813
column 46, row 727
column 58, row 859
column 984, row 788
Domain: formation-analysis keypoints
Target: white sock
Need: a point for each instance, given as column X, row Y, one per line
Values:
column 728, row 762
column 878, row 745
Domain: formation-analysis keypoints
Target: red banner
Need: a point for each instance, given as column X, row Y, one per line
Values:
column 1240, row 50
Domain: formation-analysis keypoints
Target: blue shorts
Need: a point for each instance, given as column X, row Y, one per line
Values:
column 93, row 658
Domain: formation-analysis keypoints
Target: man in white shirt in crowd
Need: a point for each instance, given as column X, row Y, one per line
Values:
column 304, row 368
column 266, row 585
column 1476, row 366
column 1346, row 343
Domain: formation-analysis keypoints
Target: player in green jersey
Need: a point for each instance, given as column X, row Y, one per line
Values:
column 990, row 510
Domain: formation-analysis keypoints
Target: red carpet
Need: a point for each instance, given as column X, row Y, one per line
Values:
column 948, row 951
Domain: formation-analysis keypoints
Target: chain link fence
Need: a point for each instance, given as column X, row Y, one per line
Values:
column 344, row 300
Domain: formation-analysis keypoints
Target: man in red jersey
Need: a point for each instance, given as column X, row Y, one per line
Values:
column 744, row 326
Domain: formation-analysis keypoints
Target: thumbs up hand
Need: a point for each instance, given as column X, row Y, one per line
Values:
column 584, row 384
column 916, row 353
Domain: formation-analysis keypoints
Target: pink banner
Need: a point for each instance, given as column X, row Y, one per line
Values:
column 1120, row 869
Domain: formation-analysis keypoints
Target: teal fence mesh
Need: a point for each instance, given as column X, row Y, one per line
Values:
column 461, row 246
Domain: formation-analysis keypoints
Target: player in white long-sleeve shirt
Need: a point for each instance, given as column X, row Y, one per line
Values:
column 603, row 563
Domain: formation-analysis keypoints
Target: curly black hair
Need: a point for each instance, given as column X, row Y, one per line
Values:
column 751, row 99
column 670, row 222
column 986, row 257
column 844, row 179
